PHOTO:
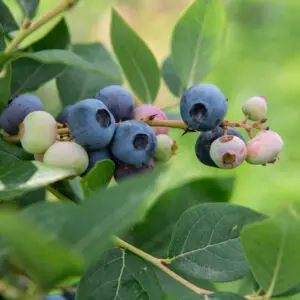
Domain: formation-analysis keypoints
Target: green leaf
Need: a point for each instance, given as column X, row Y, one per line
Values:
column 14, row 150
column 136, row 59
column 206, row 241
column 57, row 38
column 34, row 252
column 49, row 217
column 29, row 7
column 75, row 84
column 272, row 248
column 5, row 85
column 31, row 198
column 18, row 177
column 2, row 39
column 171, row 78
column 197, row 40
column 36, row 74
column 154, row 233
column 69, row 188
column 107, row 212
column 6, row 18
column 119, row 275
column 100, row 176
column 225, row 296
column 57, row 56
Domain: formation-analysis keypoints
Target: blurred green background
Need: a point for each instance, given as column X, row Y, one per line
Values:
column 261, row 57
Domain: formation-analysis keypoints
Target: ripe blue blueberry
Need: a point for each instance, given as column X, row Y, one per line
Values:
column 203, row 107
column 91, row 124
column 205, row 140
column 123, row 172
column 16, row 111
column 134, row 143
column 63, row 116
column 97, row 155
column 118, row 100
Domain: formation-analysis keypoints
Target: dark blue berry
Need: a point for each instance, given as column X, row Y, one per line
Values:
column 203, row 107
column 134, row 143
column 63, row 116
column 118, row 100
column 16, row 111
column 205, row 140
column 91, row 124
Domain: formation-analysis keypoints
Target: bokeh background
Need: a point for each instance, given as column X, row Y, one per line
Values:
column 260, row 57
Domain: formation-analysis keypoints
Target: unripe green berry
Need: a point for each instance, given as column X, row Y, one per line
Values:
column 38, row 132
column 67, row 155
column 255, row 108
column 166, row 148
column 264, row 148
column 228, row 151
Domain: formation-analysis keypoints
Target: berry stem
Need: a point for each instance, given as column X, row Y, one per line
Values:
column 27, row 28
column 13, row 139
column 161, row 264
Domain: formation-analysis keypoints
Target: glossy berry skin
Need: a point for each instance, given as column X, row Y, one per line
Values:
column 166, row 148
column 264, row 148
column 95, row 156
column 255, row 108
column 67, row 155
column 16, row 111
column 123, row 172
column 205, row 140
column 63, row 116
column 38, row 132
column 203, row 107
column 134, row 143
column 147, row 110
column 228, row 152
column 118, row 100
column 91, row 124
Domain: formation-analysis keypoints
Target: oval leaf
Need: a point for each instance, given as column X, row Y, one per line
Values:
column 197, row 40
column 206, row 242
column 99, row 176
column 272, row 248
column 119, row 275
column 154, row 233
column 18, row 177
column 75, row 84
column 171, row 78
column 136, row 59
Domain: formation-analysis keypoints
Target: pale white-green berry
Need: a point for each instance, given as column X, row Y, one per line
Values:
column 228, row 151
column 38, row 132
column 264, row 148
column 166, row 148
column 255, row 108
column 67, row 155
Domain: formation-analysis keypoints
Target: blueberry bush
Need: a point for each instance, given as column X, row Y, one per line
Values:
column 115, row 229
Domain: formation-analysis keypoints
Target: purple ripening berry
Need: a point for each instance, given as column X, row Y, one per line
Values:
column 147, row 110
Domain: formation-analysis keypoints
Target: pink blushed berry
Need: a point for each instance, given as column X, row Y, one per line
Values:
column 147, row 110
column 228, row 151
column 264, row 148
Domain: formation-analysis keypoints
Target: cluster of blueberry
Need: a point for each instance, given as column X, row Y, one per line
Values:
column 109, row 126
column 203, row 108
